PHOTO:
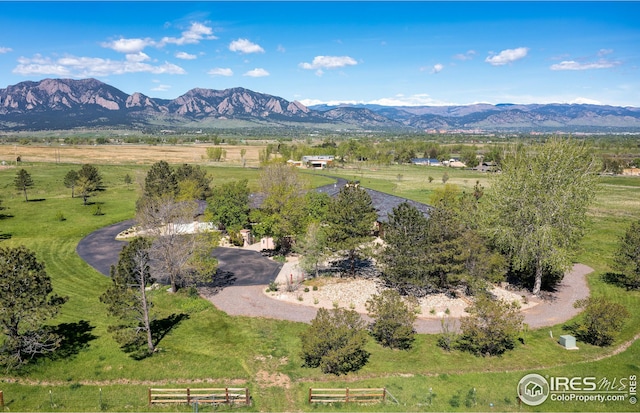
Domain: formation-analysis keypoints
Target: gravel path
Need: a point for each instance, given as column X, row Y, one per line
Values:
column 247, row 274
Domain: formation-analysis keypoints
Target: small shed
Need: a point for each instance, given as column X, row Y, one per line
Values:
column 568, row 342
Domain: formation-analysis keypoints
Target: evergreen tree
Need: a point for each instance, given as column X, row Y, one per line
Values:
column 71, row 180
column 160, row 181
column 89, row 181
column 23, row 181
column 350, row 220
column 26, row 303
column 393, row 319
column 627, row 258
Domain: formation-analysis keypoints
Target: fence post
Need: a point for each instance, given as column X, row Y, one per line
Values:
column 226, row 394
column 384, row 393
column 246, row 393
column 1, row 400
column 149, row 395
column 188, row 395
column 310, row 395
column 347, row 395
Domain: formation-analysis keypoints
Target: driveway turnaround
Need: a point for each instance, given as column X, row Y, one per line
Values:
column 244, row 274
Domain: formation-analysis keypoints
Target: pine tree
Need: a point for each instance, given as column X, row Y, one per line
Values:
column 23, row 181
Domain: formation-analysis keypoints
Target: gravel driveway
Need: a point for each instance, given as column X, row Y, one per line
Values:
column 245, row 274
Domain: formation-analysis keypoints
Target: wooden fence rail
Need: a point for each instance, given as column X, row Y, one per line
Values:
column 347, row 395
column 224, row 395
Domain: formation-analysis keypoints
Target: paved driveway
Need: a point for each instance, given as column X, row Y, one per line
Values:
column 237, row 267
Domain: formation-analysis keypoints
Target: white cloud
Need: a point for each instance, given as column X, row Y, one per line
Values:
column 123, row 45
column 161, row 88
column 186, row 56
column 92, row 66
column 137, row 57
column 220, row 71
column 507, row 56
column 586, row 101
column 5, row 50
column 437, row 68
column 604, row 52
column 421, row 99
column 245, row 46
column 193, row 35
column 573, row 65
column 329, row 62
column 258, row 72
column 281, row 49
column 470, row 54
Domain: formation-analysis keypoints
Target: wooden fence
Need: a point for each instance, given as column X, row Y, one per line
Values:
column 347, row 395
column 226, row 395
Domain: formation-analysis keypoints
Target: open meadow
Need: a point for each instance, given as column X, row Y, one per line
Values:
column 209, row 348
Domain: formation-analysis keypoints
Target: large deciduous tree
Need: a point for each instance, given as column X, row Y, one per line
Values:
column 350, row 221
column 127, row 297
column 535, row 210
column 89, row 181
column 282, row 209
column 26, row 303
column 23, row 181
column 229, row 205
column 181, row 256
column 193, row 182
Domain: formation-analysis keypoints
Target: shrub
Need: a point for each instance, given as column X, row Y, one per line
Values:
column 393, row 319
column 335, row 341
column 602, row 320
column 492, row 327
column 60, row 217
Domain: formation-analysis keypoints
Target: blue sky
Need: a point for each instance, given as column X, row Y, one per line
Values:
column 399, row 53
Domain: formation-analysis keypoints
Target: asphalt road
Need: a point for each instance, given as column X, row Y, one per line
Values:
column 237, row 267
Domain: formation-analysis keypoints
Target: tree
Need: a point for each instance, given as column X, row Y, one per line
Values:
column 229, row 205
column 127, row 297
column 492, row 327
column 180, row 257
column 283, row 205
column 601, row 321
column 350, row 222
column 535, row 210
column 26, row 303
column 71, row 180
column 627, row 257
column 335, row 341
column 193, row 182
column 216, row 154
column 89, row 181
column 469, row 156
column 313, row 248
column 23, row 181
column 393, row 319
column 404, row 258
column 160, row 181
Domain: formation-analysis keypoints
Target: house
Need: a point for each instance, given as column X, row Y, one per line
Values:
column 317, row 161
column 426, row 161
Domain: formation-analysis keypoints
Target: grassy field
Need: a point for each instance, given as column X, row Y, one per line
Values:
column 209, row 347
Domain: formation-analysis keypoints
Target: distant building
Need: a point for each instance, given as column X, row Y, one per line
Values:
column 487, row 167
column 426, row 161
column 631, row 171
column 317, row 161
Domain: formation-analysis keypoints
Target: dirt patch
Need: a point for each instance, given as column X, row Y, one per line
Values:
column 266, row 379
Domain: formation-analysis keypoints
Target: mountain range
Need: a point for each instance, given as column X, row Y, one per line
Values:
column 87, row 103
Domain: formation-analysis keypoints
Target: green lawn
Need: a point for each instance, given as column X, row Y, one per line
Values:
column 208, row 347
